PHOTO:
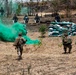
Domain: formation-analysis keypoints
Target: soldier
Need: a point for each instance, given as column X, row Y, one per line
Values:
column 15, row 18
column 2, row 11
column 19, row 43
column 67, row 43
column 26, row 19
column 57, row 18
column 37, row 18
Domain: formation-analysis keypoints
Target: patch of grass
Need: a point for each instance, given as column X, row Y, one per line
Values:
column 59, row 45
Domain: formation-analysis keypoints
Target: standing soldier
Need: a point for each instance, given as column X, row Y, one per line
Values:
column 15, row 18
column 26, row 19
column 2, row 11
column 37, row 18
column 19, row 43
column 67, row 43
column 57, row 18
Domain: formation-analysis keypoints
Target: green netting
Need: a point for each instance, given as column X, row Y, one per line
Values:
column 9, row 33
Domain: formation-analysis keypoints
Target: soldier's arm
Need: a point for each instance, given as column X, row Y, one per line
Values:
column 70, row 39
column 24, row 41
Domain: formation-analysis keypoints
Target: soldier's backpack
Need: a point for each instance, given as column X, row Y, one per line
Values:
column 21, row 41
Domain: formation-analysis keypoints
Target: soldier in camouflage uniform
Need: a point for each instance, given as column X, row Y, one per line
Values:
column 19, row 43
column 26, row 19
column 67, row 43
column 2, row 11
column 15, row 18
column 37, row 18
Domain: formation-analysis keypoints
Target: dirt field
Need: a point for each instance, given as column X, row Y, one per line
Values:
column 46, row 59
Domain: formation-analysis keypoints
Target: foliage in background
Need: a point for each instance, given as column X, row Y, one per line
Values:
column 18, row 10
column 67, row 4
column 55, row 5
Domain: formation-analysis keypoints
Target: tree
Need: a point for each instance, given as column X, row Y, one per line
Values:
column 73, row 3
column 10, row 8
column 7, row 7
column 55, row 5
column 67, row 4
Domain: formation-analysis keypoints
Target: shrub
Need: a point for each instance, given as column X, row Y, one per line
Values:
column 62, row 16
column 42, row 29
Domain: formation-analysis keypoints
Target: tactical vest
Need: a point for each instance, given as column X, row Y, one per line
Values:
column 67, row 40
column 21, row 41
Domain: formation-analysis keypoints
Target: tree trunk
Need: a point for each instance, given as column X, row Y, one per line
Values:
column 7, row 8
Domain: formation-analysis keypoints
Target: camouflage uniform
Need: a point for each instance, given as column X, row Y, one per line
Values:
column 37, row 18
column 19, row 43
column 2, row 11
column 67, row 43
column 26, row 19
column 57, row 18
column 15, row 18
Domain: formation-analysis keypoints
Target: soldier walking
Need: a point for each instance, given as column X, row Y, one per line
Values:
column 19, row 43
column 67, row 43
